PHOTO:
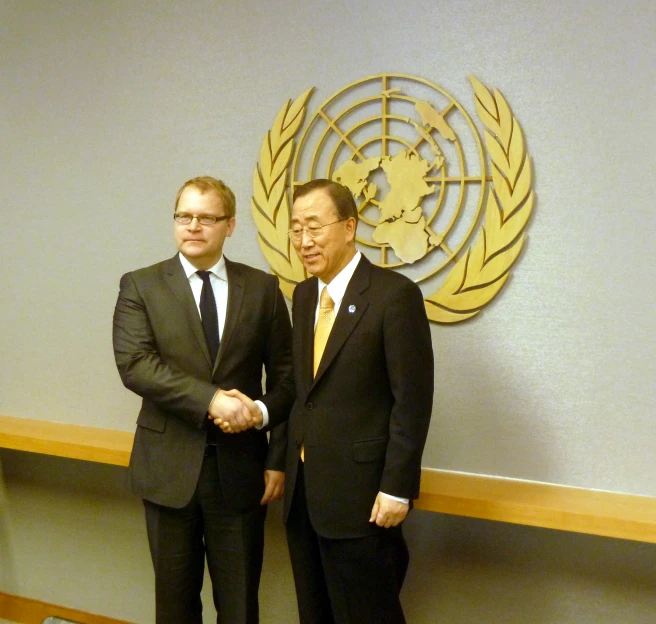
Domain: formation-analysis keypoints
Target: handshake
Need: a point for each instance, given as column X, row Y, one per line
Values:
column 233, row 411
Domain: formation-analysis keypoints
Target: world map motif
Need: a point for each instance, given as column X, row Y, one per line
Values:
column 402, row 223
column 397, row 147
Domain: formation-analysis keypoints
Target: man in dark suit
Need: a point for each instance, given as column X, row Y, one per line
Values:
column 187, row 331
column 363, row 367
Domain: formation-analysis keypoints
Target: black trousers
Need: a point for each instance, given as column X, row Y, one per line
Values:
column 232, row 540
column 345, row 581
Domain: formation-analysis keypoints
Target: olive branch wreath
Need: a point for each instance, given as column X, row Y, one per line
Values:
column 270, row 202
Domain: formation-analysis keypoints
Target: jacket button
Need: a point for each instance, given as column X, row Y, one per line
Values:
column 309, row 406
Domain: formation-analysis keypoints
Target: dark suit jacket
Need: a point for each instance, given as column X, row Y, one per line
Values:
column 364, row 417
column 162, row 355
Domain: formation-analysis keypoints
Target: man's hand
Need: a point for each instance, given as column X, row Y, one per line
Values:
column 229, row 413
column 274, row 486
column 251, row 411
column 388, row 512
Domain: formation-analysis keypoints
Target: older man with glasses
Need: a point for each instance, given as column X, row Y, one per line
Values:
column 363, row 367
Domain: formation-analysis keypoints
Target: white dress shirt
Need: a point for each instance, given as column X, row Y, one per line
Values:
column 336, row 290
column 337, row 287
column 219, row 281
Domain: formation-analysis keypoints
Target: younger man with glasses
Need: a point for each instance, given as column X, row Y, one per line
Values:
column 189, row 334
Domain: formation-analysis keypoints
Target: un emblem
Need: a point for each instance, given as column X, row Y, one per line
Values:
column 414, row 161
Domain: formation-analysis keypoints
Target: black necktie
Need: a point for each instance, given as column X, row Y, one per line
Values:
column 208, row 315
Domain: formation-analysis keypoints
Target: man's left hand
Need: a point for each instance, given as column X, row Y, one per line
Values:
column 274, row 486
column 388, row 512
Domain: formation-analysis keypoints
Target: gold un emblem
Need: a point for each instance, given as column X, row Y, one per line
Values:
column 414, row 161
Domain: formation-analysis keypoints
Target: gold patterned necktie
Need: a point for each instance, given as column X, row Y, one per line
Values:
column 324, row 325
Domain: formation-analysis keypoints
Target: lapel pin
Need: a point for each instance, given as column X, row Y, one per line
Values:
column 351, row 309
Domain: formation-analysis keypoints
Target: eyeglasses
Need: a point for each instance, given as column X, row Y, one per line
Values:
column 296, row 233
column 185, row 219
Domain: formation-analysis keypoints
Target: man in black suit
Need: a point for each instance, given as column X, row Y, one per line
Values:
column 187, row 332
column 364, row 392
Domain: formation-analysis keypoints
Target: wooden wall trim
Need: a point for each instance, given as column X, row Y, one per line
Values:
column 595, row 512
column 29, row 611
column 611, row 514
column 104, row 446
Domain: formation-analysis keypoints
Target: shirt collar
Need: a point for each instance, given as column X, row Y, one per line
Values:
column 219, row 269
column 340, row 282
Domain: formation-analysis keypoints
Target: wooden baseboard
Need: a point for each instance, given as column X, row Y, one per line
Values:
column 29, row 611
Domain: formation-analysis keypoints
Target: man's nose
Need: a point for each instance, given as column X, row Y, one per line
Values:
column 194, row 224
column 306, row 239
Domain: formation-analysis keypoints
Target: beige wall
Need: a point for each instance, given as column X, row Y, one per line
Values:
column 106, row 107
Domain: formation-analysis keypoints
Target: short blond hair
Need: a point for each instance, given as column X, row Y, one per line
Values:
column 208, row 183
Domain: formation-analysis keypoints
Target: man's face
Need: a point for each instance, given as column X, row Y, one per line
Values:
column 202, row 245
column 331, row 250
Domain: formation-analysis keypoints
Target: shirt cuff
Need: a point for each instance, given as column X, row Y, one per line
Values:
column 265, row 414
column 405, row 501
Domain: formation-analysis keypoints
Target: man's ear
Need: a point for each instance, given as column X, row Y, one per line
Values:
column 351, row 225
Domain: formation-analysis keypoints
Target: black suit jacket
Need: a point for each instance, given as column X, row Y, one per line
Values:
column 364, row 418
column 162, row 355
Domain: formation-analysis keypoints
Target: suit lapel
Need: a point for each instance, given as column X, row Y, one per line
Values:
column 351, row 309
column 307, row 305
column 236, row 287
column 179, row 283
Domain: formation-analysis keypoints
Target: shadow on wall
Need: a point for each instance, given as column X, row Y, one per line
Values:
column 465, row 570
column 491, row 418
column 7, row 573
